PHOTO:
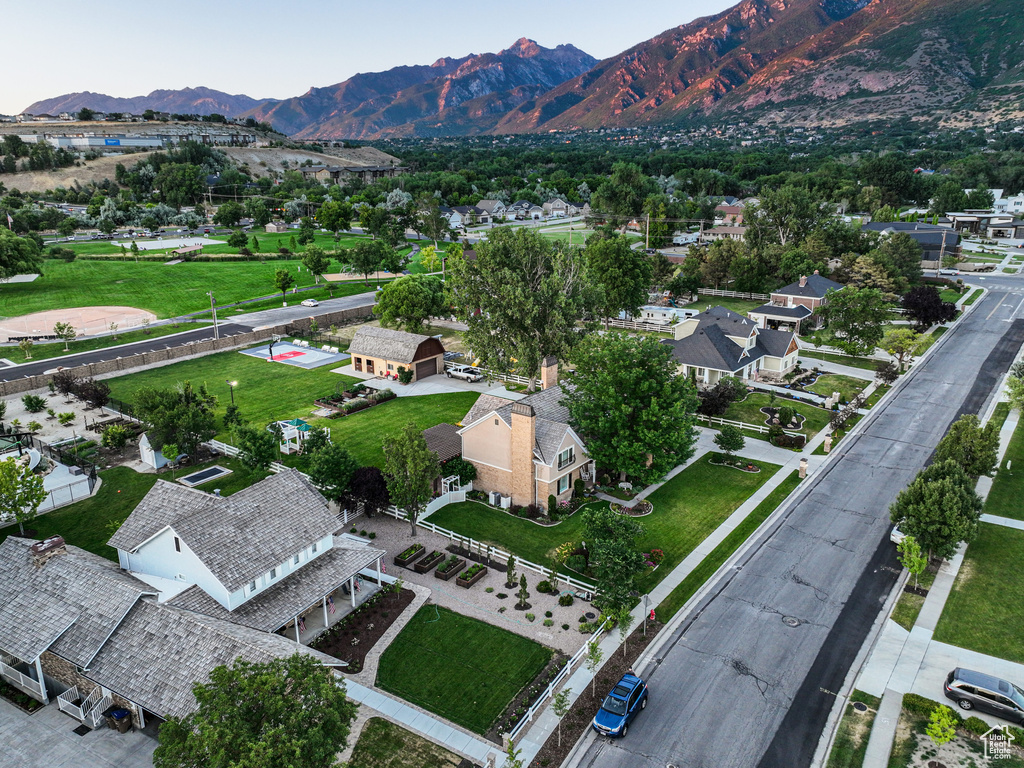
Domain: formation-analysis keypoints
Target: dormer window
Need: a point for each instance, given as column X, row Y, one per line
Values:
column 314, row 547
column 273, row 573
column 295, row 560
column 252, row 586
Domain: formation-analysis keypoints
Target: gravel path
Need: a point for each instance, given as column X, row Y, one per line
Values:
column 394, row 537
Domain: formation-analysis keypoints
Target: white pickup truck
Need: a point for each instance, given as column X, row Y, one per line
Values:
column 464, row 372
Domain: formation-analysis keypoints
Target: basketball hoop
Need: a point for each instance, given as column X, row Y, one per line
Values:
column 273, row 340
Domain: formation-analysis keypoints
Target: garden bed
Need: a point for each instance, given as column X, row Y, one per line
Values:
column 741, row 464
column 773, row 414
column 449, row 568
column 414, row 552
column 473, row 575
column 353, row 637
column 640, row 509
column 429, row 562
column 18, row 698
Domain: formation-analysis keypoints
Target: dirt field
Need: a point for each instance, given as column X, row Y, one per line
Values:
column 91, row 171
column 86, row 320
column 262, row 161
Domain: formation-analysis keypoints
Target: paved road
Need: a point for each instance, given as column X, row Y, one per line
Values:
column 232, row 326
column 737, row 686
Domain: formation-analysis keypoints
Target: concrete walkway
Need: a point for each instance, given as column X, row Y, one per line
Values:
column 913, row 662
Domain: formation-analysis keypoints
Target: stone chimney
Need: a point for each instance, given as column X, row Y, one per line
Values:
column 803, row 280
column 43, row 550
column 524, row 431
column 548, row 372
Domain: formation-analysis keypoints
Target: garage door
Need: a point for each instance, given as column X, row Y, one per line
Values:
column 426, row 368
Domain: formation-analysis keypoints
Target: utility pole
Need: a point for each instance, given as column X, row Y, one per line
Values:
column 647, row 246
column 213, row 307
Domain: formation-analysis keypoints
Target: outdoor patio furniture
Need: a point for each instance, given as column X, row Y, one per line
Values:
column 334, row 350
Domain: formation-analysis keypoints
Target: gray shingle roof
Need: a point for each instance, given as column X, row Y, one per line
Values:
column 483, row 406
column 237, row 537
column 709, row 346
column 159, row 652
column 444, row 440
column 276, row 606
column 816, row 287
column 799, row 312
column 546, row 404
column 68, row 605
column 548, row 437
column 387, row 343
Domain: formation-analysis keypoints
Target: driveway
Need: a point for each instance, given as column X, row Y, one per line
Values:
column 46, row 739
column 432, row 385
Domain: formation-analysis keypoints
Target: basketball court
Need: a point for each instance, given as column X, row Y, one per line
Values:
column 299, row 356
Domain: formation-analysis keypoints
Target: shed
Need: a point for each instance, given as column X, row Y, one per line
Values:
column 381, row 351
column 149, row 454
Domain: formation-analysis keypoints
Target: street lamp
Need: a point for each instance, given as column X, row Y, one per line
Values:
column 232, row 385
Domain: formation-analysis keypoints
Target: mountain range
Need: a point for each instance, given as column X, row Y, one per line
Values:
column 812, row 62
column 186, row 101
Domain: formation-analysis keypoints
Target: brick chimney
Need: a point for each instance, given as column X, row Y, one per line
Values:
column 803, row 280
column 548, row 372
column 43, row 550
column 524, row 430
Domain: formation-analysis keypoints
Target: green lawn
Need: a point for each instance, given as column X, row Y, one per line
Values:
column 269, row 244
column 49, row 351
column 855, row 362
column 851, row 742
column 87, row 524
column 741, row 306
column 975, row 295
column 686, row 510
column 696, row 578
column 847, row 386
column 460, row 668
column 999, row 414
column 875, row 396
column 749, row 411
column 382, row 744
column 1004, row 500
column 983, row 612
column 909, row 605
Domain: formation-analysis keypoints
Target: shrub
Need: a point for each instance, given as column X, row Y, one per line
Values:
column 34, row 403
column 530, row 617
column 566, row 599
column 489, row 590
column 502, row 609
column 459, row 466
column 404, row 374
column 785, row 415
column 355, row 405
column 789, row 441
column 565, row 626
column 548, row 614
column 578, row 488
column 918, row 705
column 66, row 418
column 544, row 586
column 548, row 623
column 502, row 595
column 383, row 395
column 976, row 725
column 577, row 563
column 522, row 512
column 115, row 437
column 552, row 504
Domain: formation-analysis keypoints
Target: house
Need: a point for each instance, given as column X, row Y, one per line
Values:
column 314, row 172
column 495, row 209
column 365, row 173
column 523, row 210
column 381, row 351
column 720, row 342
column 795, row 303
column 444, row 441
column 77, row 628
column 728, row 214
column 725, row 232
column 467, row 216
column 556, row 207
column 937, row 242
column 1013, row 205
column 526, row 449
column 275, row 227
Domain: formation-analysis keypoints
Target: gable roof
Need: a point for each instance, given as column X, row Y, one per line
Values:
column 816, row 287
column 490, row 206
column 710, row 345
column 483, row 406
column 799, row 312
column 237, row 537
column 387, row 343
column 158, row 653
column 69, row 605
column 546, row 404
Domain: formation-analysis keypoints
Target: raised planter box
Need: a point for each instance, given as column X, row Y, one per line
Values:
column 405, row 561
column 431, row 561
column 450, row 573
column 467, row 583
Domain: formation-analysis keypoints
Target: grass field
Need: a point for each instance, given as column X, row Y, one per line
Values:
column 460, row 668
column 1004, row 499
column 56, row 349
column 382, row 744
column 983, row 611
column 749, row 411
column 851, row 742
column 269, row 244
column 847, row 386
column 740, row 306
column 686, row 510
column 706, row 568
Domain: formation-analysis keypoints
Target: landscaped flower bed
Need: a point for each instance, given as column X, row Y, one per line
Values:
column 412, row 553
column 741, row 464
column 18, row 698
column 353, row 637
column 472, row 575
column 429, row 562
column 449, row 568
column 640, row 509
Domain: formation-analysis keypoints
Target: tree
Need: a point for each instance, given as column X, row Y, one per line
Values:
column 18, row 255
column 903, row 254
column 624, row 620
column 715, row 267
column 855, row 319
column 940, row 508
column 334, row 216
column 236, row 239
column 393, row 260
column 911, row 557
column 886, row 373
column 228, row 214
column 522, row 299
column 258, row 448
column 901, row 343
column 410, row 468
column 65, row 332
column 115, row 437
column 374, row 220
column 974, row 447
column 283, row 280
column 287, row 711
column 593, row 660
column 369, row 489
column 623, row 274
column 315, row 261
column 942, row 724
column 25, row 345
column 512, row 756
column 1015, row 392
column 523, row 594
column 560, row 706
column 730, row 439
column 182, row 416
column 410, row 301
column 85, row 115
column 510, row 572
column 431, row 221
column 331, row 469
column 429, row 259
column 254, row 244
column 366, row 256
column 785, row 215
column 625, row 400
column 180, row 184
column 257, row 210
column 623, row 193
column 21, row 493
column 614, row 556
column 925, row 306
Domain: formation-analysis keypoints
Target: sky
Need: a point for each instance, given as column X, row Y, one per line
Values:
column 280, row 49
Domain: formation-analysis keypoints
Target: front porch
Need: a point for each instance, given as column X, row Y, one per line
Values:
column 23, row 675
column 318, row 617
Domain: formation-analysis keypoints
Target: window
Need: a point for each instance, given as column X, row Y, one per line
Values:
column 295, row 560
column 566, row 457
column 252, row 586
column 177, row 544
column 314, row 547
column 391, row 367
column 563, row 483
column 273, row 573
column 495, row 422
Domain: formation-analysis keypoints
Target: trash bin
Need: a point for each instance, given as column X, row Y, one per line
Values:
column 122, row 720
column 108, row 715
